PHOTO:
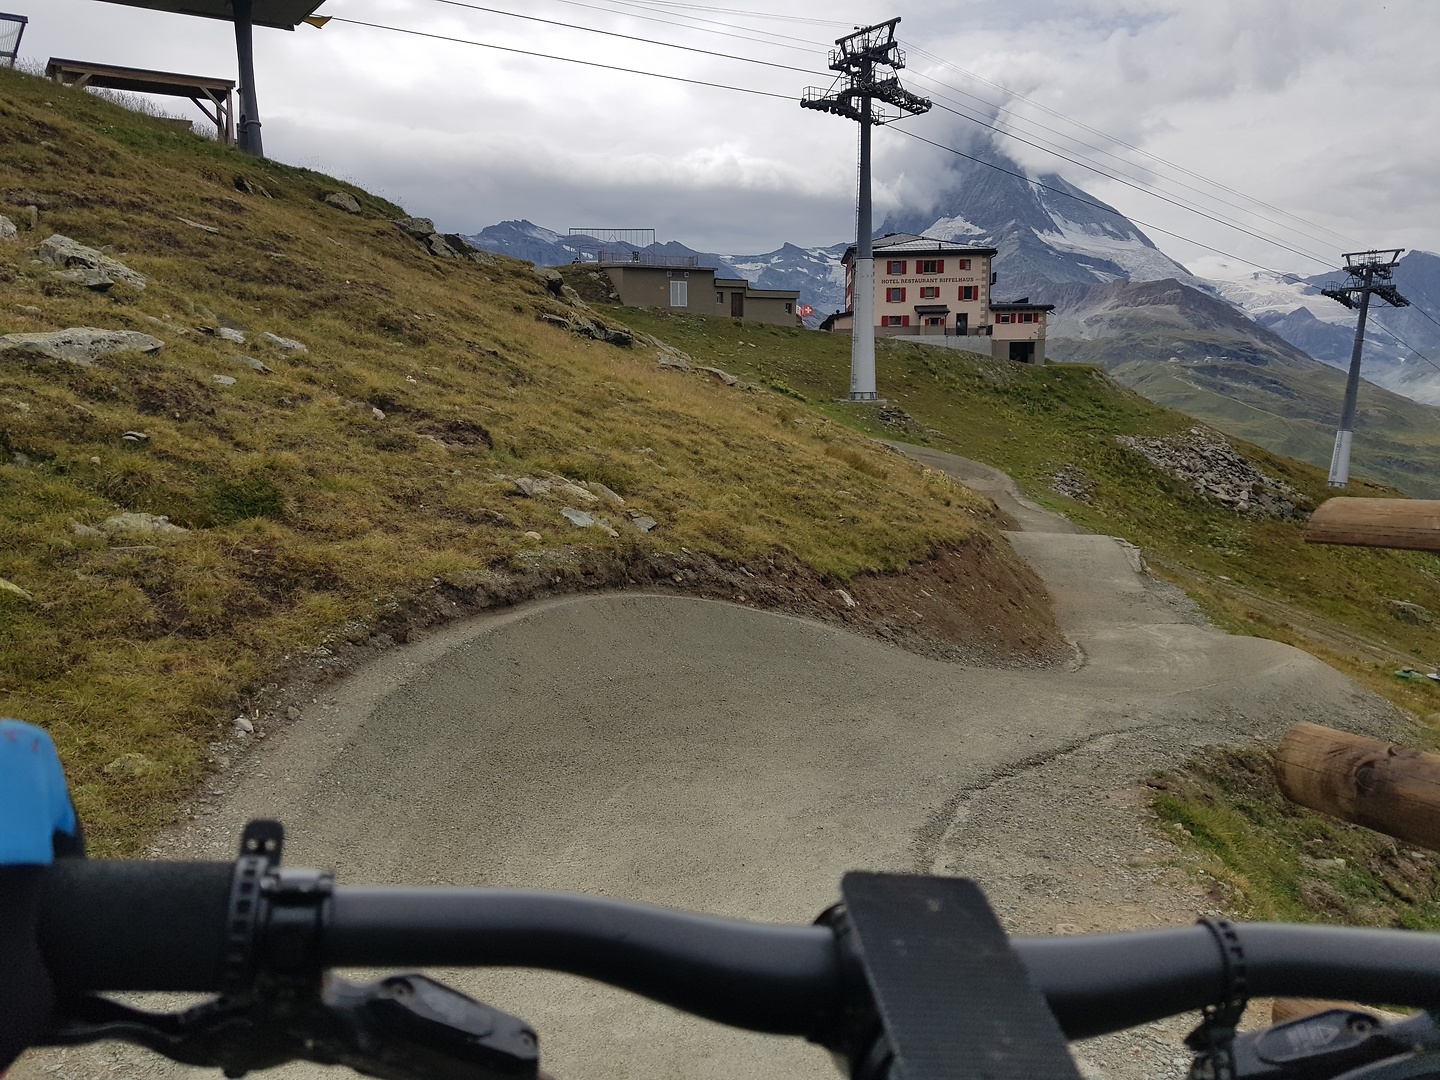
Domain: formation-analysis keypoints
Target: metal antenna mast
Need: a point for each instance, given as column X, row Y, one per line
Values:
column 866, row 61
column 1370, row 273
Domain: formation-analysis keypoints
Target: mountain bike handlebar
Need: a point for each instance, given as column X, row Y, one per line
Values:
column 113, row 926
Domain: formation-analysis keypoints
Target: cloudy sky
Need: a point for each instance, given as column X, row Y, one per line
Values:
column 1326, row 111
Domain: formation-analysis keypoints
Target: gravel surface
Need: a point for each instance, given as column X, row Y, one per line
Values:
column 715, row 757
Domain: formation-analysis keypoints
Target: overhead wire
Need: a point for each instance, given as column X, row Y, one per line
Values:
column 626, row 37
column 770, row 39
column 1129, row 146
column 565, row 59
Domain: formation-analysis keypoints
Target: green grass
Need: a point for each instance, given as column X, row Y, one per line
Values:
column 1271, row 859
column 354, row 480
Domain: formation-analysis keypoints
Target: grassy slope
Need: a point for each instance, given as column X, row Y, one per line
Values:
column 1293, row 411
column 307, row 509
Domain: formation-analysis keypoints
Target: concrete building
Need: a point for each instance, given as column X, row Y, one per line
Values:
column 681, row 284
column 942, row 292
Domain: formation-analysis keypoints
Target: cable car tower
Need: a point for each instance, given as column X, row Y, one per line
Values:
column 1370, row 273
column 866, row 62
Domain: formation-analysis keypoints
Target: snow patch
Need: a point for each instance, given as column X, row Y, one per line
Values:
column 949, row 228
column 1140, row 261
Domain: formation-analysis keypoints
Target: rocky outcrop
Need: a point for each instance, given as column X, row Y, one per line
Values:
column 343, row 200
column 8, row 232
column 81, row 345
column 284, row 344
column 69, row 254
column 1206, row 461
column 442, row 245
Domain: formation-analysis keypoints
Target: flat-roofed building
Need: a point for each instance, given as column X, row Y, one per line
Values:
column 942, row 292
column 679, row 283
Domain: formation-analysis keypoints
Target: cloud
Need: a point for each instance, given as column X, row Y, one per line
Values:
column 1252, row 96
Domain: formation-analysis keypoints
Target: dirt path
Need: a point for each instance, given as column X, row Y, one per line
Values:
column 709, row 756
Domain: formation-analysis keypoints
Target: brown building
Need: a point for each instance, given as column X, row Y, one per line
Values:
column 942, row 292
column 674, row 284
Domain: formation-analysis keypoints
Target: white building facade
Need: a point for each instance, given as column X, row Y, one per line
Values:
column 941, row 291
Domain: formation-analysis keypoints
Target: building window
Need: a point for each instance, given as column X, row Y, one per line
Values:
column 896, row 320
column 679, row 293
column 789, row 307
column 932, row 320
column 895, row 266
column 894, row 296
column 930, row 292
column 1005, row 317
column 967, row 292
column 930, row 266
column 720, row 298
column 964, row 264
column 1029, row 316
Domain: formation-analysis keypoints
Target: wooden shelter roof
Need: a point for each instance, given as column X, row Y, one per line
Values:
column 280, row 14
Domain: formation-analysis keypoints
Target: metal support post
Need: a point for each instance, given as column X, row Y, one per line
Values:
column 862, row 336
column 248, row 135
column 1370, row 271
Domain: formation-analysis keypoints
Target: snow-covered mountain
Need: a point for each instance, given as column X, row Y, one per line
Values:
column 1402, row 346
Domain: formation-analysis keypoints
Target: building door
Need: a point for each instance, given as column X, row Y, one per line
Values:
column 737, row 304
column 679, row 293
column 962, row 323
column 1022, row 352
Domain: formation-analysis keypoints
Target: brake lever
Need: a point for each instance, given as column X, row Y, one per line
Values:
column 401, row 1027
column 1340, row 1044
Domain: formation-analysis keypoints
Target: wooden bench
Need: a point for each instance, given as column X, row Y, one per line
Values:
column 213, row 97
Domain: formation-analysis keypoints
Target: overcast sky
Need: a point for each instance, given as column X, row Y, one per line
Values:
column 1325, row 109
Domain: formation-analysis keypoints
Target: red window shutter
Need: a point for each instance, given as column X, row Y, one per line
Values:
column 902, row 300
column 940, row 267
column 904, row 320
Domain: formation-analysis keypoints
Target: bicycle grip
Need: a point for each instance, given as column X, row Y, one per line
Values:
column 131, row 925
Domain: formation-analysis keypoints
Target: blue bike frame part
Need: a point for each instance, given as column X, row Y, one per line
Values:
column 36, row 814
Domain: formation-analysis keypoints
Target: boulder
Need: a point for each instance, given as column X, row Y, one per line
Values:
column 343, row 200
column 604, row 492
column 68, row 254
column 582, row 519
column 284, row 344
column 80, row 345
column 1414, row 614
column 551, row 279
column 227, row 333
column 723, row 376
column 252, row 363
column 97, row 280
column 438, row 246
column 142, row 525
column 224, row 380
column 8, row 232
column 418, row 227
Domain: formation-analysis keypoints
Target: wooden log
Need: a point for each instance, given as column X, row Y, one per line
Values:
column 1393, row 523
column 1391, row 789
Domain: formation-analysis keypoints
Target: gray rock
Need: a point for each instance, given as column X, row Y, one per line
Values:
column 440, row 248
column 68, row 254
column 97, row 280
column 285, row 344
column 136, row 436
column 142, row 524
column 8, row 232
column 343, row 200
column 227, row 333
column 28, row 309
column 80, row 345
column 551, row 279
column 292, row 713
column 529, row 486
column 484, row 258
column 84, row 530
column 581, row 519
column 377, row 413
column 670, row 360
column 224, row 380
column 723, row 376
column 418, row 227
column 604, row 492
column 211, row 229
column 643, row 523
column 1410, row 613
column 245, row 724
column 252, row 363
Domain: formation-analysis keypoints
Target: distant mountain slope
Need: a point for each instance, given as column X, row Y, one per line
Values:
column 1056, row 232
column 1294, row 309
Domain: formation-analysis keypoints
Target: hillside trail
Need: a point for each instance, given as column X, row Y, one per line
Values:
column 713, row 757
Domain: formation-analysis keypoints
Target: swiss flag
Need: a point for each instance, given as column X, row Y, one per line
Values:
column 805, row 309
